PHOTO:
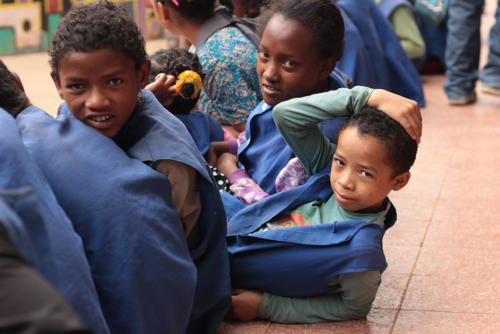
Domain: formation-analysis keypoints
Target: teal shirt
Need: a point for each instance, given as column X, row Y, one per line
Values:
column 317, row 213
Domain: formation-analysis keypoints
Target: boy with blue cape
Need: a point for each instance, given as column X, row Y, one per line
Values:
column 131, row 179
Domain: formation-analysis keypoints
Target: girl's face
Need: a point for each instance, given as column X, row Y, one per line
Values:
column 289, row 65
column 101, row 87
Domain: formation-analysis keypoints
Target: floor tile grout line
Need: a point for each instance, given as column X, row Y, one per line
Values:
column 434, row 311
column 421, row 246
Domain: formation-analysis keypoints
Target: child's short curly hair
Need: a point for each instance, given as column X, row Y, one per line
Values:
column 401, row 148
column 92, row 27
column 322, row 17
column 12, row 98
column 174, row 62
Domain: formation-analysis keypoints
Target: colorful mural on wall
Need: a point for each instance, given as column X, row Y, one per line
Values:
column 28, row 25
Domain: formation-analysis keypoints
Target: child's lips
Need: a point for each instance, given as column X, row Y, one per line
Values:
column 100, row 121
column 269, row 89
column 342, row 198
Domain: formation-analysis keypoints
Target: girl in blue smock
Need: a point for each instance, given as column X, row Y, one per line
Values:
column 295, row 59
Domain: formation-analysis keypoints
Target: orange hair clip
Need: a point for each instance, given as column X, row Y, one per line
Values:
column 188, row 77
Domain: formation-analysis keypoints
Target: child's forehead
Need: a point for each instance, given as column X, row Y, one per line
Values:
column 92, row 56
column 363, row 147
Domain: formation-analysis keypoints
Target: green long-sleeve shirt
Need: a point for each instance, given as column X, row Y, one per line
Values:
column 297, row 121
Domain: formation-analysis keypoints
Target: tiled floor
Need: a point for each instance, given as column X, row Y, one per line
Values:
column 443, row 253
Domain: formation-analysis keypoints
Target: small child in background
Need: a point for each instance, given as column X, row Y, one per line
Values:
column 132, row 180
column 203, row 128
column 319, row 256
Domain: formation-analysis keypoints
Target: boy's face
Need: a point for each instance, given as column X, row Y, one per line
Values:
column 288, row 64
column 360, row 177
column 101, row 87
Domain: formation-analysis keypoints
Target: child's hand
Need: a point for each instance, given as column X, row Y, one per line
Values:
column 245, row 305
column 227, row 163
column 163, row 88
column 216, row 149
column 405, row 111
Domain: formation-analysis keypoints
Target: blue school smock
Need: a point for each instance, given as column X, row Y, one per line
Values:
column 298, row 261
column 394, row 70
column 265, row 153
column 121, row 208
column 57, row 251
column 203, row 128
column 154, row 134
column 356, row 62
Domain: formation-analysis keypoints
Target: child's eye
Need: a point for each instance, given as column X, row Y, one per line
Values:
column 290, row 64
column 75, row 87
column 366, row 174
column 115, row 82
column 338, row 162
column 263, row 55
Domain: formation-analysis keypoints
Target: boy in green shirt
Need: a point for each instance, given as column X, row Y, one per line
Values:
column 373, row 157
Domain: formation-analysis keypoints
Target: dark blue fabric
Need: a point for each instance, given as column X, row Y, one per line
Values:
column 155, row 134
column 280, row 261
column 435, row 39
column 58, row 251
column 19, row 233
column 394, row 71
column 122, row 210
column 356, row 61
column 203, row 128
column 265, row 153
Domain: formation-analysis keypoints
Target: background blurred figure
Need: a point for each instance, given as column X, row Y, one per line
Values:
column 462, row 53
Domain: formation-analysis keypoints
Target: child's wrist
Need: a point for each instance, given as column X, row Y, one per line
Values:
column 233, row 146
column 236, row 175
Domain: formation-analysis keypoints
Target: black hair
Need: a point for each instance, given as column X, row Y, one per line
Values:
column 401, row 148
column 322, row 17
column 92, row 27
column 174, row 62
column 12, row 98
column 192, row 9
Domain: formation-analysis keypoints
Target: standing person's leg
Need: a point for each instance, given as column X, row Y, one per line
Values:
column 490, row 75
column 462, row 50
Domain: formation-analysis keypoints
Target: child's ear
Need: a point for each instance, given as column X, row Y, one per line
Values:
column 401, row 181
column 160, row 11
column 326, row 67
column 57, row 82
column 143, row 73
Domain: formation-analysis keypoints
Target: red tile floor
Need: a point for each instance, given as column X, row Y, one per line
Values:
column 444, row 251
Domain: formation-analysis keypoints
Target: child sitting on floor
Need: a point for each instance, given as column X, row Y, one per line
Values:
column 39, row 236
column 132, row 180
column 202, row 127
column 314, row 253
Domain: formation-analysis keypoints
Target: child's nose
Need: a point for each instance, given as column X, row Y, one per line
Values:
column 345, row 180
column 96, row 99
column 271, row 72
